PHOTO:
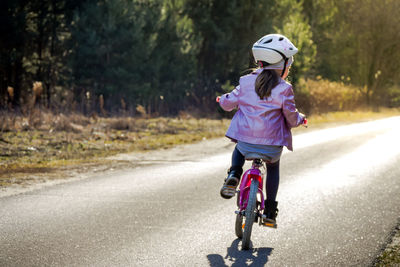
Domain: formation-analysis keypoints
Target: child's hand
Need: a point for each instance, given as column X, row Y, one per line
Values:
column 217, row 99
column 305, row 122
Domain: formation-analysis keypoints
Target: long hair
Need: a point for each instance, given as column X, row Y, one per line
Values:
column 265, row 82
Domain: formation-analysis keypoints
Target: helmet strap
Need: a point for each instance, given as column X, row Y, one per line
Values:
column 284, row 66
column 284, row 57
column 262, row 64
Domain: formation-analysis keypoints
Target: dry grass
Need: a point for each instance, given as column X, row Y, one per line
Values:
column 342, row 117
column 391, row 255
column 44, row 141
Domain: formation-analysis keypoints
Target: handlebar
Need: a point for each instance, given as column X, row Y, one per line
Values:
column 305, row 122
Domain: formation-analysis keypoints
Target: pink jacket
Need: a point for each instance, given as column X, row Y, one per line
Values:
column 264, row 122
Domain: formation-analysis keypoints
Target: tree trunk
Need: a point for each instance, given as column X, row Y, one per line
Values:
column 16, row 81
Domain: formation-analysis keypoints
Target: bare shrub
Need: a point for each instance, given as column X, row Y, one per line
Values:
column 35, row 118
column 123, row 105
column 7, row 121
column 120, row 123
column 10, row 92
column 185, row 115
column 79, row 119
column 21, row 124
column 37, row 90
column 321, row 96
column 101, row 103
column 61, row 123
column 141, row 110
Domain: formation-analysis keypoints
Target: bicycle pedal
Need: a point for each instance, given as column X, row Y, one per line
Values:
column 239, row 212
column 270, row 225
column 230, row 189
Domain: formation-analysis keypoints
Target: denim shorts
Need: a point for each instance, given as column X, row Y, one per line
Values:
column 268, row 153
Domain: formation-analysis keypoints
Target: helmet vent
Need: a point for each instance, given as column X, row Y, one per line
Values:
column 290, row 48
column 268, row 41
column 280, row 39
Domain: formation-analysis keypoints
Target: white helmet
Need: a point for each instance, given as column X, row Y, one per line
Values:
column 272, row 49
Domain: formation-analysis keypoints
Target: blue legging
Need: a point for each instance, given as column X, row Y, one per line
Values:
column 272, row 183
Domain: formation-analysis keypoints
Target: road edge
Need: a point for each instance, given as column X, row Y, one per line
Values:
column 389, row 254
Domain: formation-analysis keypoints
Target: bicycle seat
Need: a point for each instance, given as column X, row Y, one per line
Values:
column 259, row 161
column 255, row 160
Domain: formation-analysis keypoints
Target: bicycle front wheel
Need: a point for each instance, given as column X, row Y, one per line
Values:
column 250, row 214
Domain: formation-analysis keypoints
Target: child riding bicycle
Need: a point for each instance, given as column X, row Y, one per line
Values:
column 266, row 113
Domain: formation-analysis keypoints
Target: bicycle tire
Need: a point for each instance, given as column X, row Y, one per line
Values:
column 250, row 215
column 238, row 226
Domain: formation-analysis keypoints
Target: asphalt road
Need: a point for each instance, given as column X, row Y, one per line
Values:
column 339, row 201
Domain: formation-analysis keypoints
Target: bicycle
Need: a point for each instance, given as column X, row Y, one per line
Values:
column 250, row 202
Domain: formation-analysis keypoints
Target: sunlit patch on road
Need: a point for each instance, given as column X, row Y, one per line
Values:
column 352, row 167
column 326, row 135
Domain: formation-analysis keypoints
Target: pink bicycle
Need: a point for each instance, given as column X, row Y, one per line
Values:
column 250, row 202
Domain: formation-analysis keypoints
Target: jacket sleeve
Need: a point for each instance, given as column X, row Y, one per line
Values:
column 229, row 101
column 292, row 116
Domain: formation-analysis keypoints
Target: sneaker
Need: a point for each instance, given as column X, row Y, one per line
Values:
column 228, row 189
column 270, row 213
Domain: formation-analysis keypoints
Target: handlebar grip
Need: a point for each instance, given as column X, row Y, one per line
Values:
column 305, row 122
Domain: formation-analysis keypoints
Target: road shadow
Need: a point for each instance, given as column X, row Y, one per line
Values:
column 237, row 257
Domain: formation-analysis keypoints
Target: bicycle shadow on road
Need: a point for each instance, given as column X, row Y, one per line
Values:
column 238, row 257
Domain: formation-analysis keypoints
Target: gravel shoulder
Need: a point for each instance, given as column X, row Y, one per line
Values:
column 390, row 255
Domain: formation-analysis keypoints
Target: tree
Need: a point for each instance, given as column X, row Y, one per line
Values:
column 111, row 43
column 321, row 16
column 13, row 41
column 367, row 45
column 174, row 64
column 291, row 22
column 223, row 34
column 32, row 47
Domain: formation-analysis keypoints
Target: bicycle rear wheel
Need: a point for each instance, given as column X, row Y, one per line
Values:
column 250, row 214
column 238, row 226
column 239, row 219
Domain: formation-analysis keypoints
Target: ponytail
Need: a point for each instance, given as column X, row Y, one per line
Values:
column 265, row 82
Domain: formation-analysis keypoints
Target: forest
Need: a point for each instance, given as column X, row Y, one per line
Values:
column 113, row 57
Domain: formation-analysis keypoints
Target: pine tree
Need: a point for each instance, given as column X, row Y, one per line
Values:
column 111, row 43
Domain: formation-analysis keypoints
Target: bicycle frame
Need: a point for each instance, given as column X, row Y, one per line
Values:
column 253, row 173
